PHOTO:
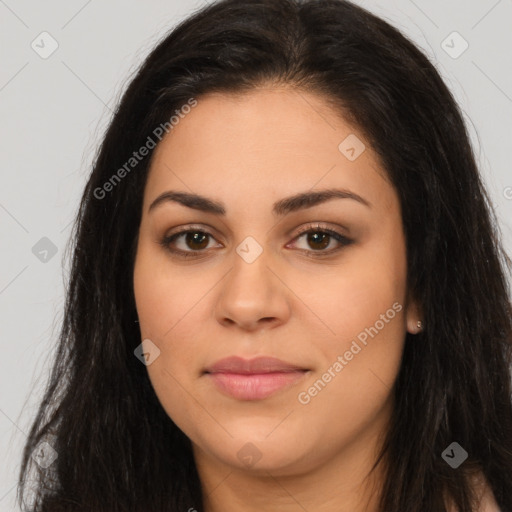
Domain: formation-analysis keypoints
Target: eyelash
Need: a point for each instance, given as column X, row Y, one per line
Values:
column 317, row 228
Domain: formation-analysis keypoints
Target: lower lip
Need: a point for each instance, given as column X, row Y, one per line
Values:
column 254, row 386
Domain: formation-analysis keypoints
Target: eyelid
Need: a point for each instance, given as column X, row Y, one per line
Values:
column 320, row 226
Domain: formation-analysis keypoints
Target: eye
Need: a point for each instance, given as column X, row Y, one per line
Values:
column 189, row 242
column 320, row 237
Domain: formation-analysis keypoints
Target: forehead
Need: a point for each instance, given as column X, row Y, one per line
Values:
column 265, row 143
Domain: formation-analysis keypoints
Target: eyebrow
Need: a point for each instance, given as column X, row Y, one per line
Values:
column 282, row 207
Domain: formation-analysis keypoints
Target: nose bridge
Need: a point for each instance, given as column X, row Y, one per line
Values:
column 251, row 291
column 250, row 278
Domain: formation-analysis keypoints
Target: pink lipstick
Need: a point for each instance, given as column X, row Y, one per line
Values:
column 253, row 379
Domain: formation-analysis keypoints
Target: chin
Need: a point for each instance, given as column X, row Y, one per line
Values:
column 278, row 455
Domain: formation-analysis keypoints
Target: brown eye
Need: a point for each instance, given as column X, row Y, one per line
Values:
column 318, row 240
column 187, row 243
column 195, row 240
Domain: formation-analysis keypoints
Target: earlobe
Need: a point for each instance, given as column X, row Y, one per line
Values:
column 415, row 328
column 415, row 323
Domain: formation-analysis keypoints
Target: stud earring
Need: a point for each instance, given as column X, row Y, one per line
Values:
column 419, row 324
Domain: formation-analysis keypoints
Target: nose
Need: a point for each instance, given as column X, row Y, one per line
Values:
column 252, row 296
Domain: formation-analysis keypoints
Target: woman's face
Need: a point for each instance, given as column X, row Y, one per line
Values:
column 332, row 310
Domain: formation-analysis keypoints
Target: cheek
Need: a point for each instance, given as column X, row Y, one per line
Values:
column 363, row 306
column 167, row 312
column 347, row 394
column 163, row 297
column 168, row 320
column 366, row 289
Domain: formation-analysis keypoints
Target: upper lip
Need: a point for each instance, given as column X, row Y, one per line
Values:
column 257, row 365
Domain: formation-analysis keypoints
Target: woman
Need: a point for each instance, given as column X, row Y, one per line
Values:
column 287, row 290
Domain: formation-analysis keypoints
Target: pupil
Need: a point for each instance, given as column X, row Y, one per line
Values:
column 197, row 238
column 314, row 238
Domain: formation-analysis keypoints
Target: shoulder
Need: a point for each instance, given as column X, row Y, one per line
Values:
column 485, row 497
column 487, row 500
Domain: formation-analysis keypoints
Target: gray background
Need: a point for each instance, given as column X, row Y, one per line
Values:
column 53, row 111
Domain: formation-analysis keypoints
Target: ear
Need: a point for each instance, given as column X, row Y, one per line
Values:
column 414, row 317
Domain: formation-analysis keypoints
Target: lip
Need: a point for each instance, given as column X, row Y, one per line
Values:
column 261, row 364
column 253, row 379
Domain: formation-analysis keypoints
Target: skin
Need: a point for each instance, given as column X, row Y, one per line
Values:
column 248, row 151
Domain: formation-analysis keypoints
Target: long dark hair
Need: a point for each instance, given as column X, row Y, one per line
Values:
column 117, row 448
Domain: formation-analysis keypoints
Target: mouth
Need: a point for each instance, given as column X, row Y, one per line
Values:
column 253, row 379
